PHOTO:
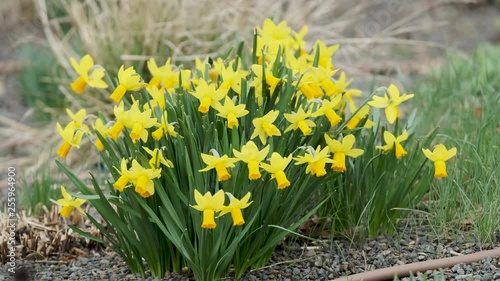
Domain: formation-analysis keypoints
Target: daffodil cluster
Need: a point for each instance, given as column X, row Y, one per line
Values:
column 287, row 92
column 275, row 129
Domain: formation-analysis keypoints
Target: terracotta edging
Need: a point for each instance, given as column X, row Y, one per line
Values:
column 405, row 269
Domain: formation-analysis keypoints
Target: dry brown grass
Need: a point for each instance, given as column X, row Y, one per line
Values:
column 13, row 12
column 132, row 31
column 135, row 30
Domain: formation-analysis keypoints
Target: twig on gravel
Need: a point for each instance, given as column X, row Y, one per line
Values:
column 455, row 253
column 405, row 269
column 283, row 262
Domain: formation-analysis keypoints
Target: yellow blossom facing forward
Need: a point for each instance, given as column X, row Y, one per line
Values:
column 264, row 126
column 68, row 203
column 220, row 164
column 277, row 167
column 209, row 205
column 235, row 206
column 71, row 136
column 299, row 120
column 142, row 178
column 327, row 109
column 390, row 102
column 128, row 80
column 439, row 156
column 231, row 112
column 392, row 142
column 251, row 155
column 315, row 159
column 342, row 149
column 232, row 79
column 139, row 121
column 157, row 158
column 87, row 75
column 208, row 96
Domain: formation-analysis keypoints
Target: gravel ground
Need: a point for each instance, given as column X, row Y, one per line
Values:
column 321, row 261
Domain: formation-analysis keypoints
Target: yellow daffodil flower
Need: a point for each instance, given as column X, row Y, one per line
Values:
column 231, row 112
column 101, row 129
column 208, row 96
column 360, row 115
column 323, row 76
column 327, row 109
column 273, row 36
column 128, row 80
column 325, row 54
column 139, row 121
column 390, row 103
column 316, row 160
column 219, row 163
column 309, row 86
column 274, row 32
column 235, row 206
column 298, row 65
column 161, row 77
column 71, row 137
column 68, row 203
column 264, row 127
column 216, row 69
column 158, row 96
column 124, row 178
column 341, row 84
column 277, row 167
column 164, row 128
column 251, row 155
column 342, row 149
column 392, row 142
column 209, row 205
column 157, row 158
column 78, row 117
column 439, row 156
column 300, row 121
column 86, row 76
column 142, row 178
column 232, row 79
column 271, row 81
column 121, row 117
